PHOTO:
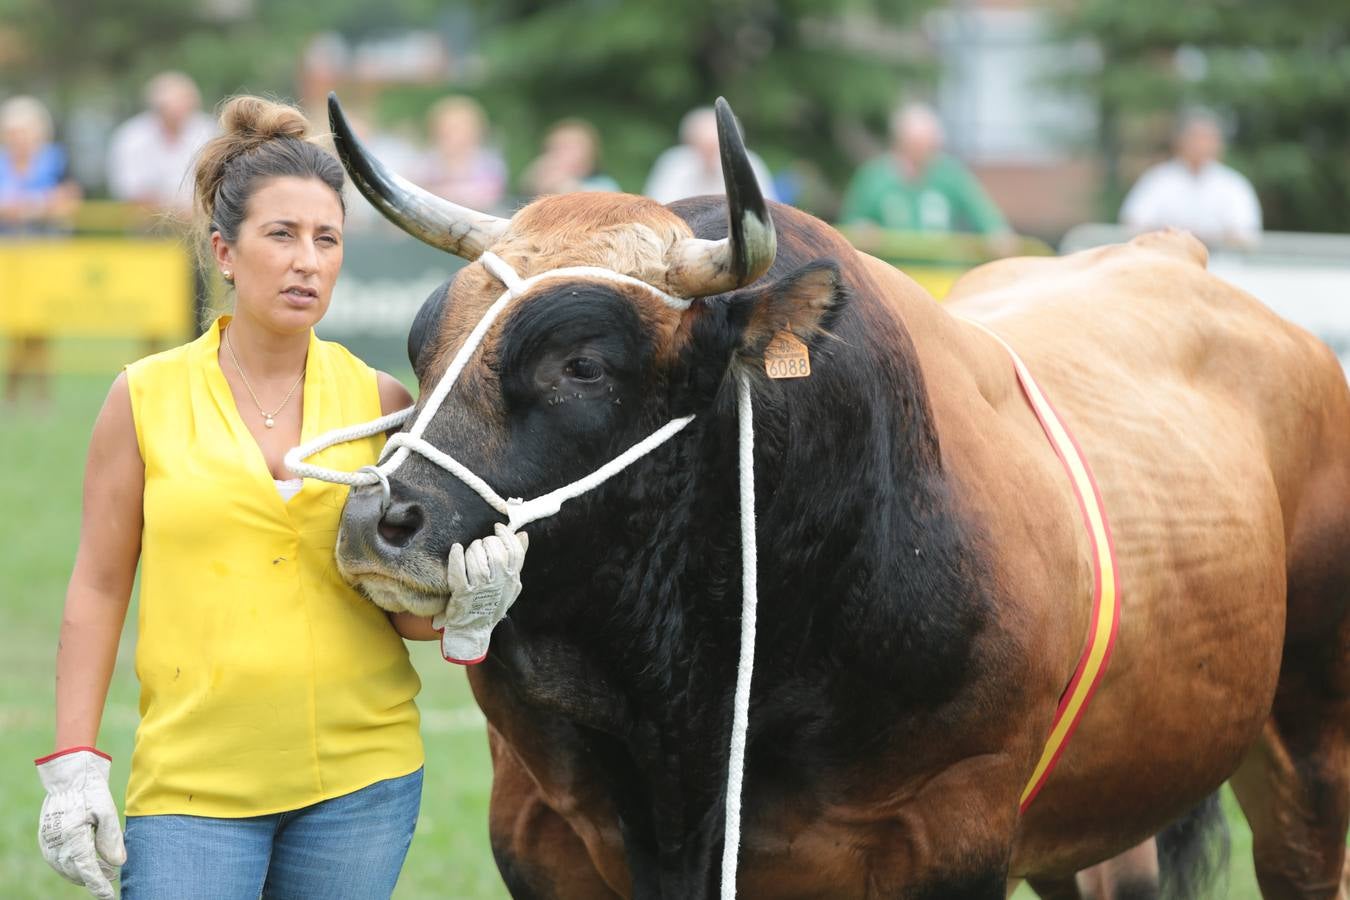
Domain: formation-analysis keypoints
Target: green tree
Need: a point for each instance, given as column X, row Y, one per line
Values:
column 799, row 73
column 1280, row 73
column 68, row 51
column 812, row 80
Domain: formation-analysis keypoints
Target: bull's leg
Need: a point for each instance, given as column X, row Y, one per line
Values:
column 1055, row 888
column 1294, row 785
column 1294, row 788
column 538, row 854
column 1132, row 875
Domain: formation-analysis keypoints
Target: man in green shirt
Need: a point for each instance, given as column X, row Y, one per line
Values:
column 916, row 187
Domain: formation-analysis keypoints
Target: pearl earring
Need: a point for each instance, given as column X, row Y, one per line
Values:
column 227, row 275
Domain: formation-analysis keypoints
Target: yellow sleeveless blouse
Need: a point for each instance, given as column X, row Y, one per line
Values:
column 267, row 683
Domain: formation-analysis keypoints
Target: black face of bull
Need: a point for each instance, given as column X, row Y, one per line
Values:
column 567, row 384
column 554, row 394
column 570, row 378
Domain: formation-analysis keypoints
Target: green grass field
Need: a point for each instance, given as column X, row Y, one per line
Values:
column 41, row 469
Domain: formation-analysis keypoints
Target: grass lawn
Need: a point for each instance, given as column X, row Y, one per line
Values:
column 43, row 462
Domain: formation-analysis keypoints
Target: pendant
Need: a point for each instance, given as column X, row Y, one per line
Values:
column 269, row 421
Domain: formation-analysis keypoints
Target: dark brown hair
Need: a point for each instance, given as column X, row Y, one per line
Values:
column 259, row 140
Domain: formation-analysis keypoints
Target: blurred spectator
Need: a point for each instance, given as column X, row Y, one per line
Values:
column 802, row 184
column 151, row 153
column 36, row 193
column 1193, row 190
column 460, row 167
column 917, row 187
column 36, row 197
column 694, row 166
column 570, row 161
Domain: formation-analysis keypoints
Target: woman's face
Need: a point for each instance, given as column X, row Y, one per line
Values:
column 287, row 255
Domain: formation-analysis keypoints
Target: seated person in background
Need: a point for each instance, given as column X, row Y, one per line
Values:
column 570, row 162
column 693, row 167
column 1194, row 191
column 151, row 154
column 917, row 187
column 36, row 194
column 150, row 160
column 36, row 197
column 460, row 166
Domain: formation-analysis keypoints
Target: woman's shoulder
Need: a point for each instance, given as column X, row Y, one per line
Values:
column 165, row 362
column 338, row 354
column 159, row 362
column 343, row 363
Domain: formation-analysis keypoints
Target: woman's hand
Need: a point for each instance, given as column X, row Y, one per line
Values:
column 484, row 582
column 79, row 833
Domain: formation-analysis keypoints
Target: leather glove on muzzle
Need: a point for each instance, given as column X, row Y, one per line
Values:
column 79, row 832
column 484, row 582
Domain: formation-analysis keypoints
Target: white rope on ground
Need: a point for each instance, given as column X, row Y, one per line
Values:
column 745, row 667
column 522, row 512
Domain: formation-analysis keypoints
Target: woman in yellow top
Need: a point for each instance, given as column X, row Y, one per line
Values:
column 278, row 751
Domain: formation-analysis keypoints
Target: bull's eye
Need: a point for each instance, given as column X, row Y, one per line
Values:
column 584, row 369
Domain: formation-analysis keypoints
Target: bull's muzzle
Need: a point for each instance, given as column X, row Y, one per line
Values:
column 378, row 531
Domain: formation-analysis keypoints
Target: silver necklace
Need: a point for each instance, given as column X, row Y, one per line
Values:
column 269, row 418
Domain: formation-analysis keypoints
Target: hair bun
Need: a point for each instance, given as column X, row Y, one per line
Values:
column 246, row 123
column 253, row 120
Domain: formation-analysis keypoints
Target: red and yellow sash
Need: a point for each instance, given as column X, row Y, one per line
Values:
column 1105, row 591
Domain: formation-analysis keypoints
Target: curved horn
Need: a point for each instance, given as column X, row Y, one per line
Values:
column 699, row 267
column 430, row 219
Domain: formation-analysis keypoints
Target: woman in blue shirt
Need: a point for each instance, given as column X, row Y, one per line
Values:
column 36, row 197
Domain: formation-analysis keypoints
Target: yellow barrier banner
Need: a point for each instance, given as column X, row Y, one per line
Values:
column 936, row 280
column 95, row 287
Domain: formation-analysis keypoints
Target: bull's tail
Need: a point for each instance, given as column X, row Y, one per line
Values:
column 1193, row 853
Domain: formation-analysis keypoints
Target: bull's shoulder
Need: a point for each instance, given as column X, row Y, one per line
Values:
column 1171, row 242
column 1145, row 311
column 998, row 283
column 1153, row 291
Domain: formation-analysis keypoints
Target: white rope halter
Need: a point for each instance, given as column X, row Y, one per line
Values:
column 521, row 512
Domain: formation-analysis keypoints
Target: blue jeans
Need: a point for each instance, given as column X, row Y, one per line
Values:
column 347, row 848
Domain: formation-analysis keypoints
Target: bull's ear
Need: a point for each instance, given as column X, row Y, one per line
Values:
column 803, row 303
column 425, row 326
column 741, row 324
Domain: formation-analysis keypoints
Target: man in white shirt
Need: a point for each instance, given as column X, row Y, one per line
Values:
column 1195, row 191
column 693, row 167
column 151, row 154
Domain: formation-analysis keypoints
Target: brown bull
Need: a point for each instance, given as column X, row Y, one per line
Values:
column 925, row 576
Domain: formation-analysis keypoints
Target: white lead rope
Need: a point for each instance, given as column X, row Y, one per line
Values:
column 521, row 512
column 745, row 668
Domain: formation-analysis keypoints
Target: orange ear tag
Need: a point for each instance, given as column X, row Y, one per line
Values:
column 786, row 357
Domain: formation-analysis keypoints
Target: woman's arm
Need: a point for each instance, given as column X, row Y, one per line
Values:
column 414, row 628
column 105, row 565
column 393, row 397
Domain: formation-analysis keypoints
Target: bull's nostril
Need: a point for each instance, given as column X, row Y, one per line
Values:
column 400, row 523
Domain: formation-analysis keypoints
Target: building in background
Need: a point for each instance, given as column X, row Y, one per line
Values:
column 1029, row 142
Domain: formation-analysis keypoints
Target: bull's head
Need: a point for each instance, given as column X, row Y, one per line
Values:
column 576, row 369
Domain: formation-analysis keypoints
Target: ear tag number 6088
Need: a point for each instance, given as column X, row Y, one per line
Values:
column 786, row 357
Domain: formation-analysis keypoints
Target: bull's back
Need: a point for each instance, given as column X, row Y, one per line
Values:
column 1209, row 423
column 1141, row 334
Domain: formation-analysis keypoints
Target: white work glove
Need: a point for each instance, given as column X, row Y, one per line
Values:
column 484, row 582
column 79, row 832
